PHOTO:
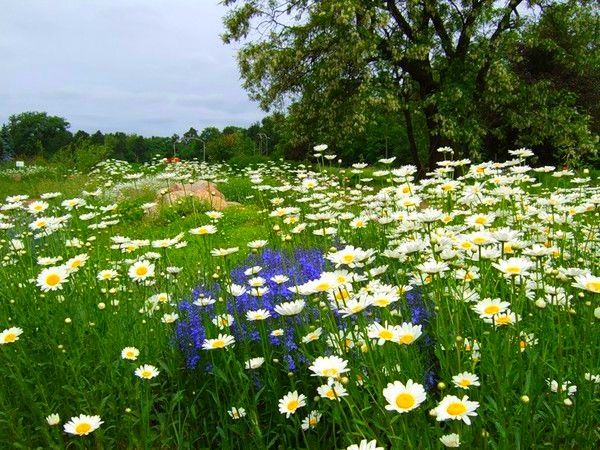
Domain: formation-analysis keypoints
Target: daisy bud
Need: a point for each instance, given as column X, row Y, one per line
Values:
column 127, row 410
column 525, row 399
column 568, row 402
column 68, row 320
column 344, row 380
column 459, row 339
column 53, row 419
column 597, row 312
column 540, row 303
column 101, row 305
column 485, row 434
column 441, row 385
column 580, row 294
column 588, row 303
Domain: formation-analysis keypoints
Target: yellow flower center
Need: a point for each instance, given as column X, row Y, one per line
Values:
column 348, row 258
column 342, row 294
column 357, row 308
column 52, row 279
column 456, row 409
column 219, row 343
column 10, row 337
column 312, row 421
column 76, row 263
column 513, row 270
column 330, row 394
column 141, row 271
column 491, row 309
column 331, row 372
column 593, row 286
column 405, row 401
column 386, row 334
column 83, row 428
column 503, row 320
column 146, row 374
column 293, row 405
column 465, row 382
column 323, row 286
column 406, row 338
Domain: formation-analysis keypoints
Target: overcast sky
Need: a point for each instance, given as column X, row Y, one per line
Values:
column 153, row 67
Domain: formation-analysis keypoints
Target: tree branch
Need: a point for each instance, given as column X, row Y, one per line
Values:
column 399, row 18
column 468, row 27
column 440, row 29
column 503, row 25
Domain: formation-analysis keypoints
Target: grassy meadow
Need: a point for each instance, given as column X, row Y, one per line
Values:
column 359, row 308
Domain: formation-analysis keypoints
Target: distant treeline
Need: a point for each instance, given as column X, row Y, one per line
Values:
column 32, row 135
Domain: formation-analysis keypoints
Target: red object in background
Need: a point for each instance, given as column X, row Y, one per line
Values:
column 174, row 159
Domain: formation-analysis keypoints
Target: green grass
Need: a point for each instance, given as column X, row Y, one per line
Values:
column 68, row 359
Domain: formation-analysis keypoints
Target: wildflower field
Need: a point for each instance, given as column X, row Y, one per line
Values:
column 324, row 308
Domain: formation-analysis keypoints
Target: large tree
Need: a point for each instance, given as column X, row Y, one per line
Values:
column 36, row 133
column 443, row 62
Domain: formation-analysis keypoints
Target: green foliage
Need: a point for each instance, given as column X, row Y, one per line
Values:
column 81, row 155
column 172, row 211
column 230, row 143
column 440, row 71
column 237, row 189
column 35, row 133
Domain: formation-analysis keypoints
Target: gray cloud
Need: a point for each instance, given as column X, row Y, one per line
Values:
column 150, row 67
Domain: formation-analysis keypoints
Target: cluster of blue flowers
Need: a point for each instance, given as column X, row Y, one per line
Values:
column 302, row 266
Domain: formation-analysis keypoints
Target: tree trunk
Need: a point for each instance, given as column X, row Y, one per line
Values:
column 433, row 134
column 414, row 151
